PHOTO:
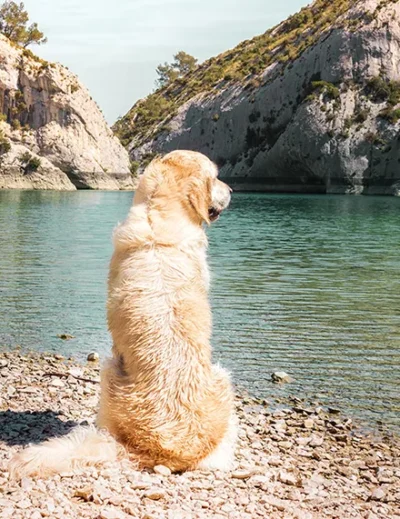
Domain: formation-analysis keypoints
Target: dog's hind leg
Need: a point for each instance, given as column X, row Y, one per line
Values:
column 223, row 456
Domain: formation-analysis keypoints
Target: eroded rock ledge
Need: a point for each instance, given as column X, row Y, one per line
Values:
column 52, row 133
column 312, row 105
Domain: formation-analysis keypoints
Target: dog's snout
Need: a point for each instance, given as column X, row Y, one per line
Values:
column 221, row 195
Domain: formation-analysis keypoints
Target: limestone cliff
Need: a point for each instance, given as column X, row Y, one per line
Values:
column 312, row 105
column 52, row 133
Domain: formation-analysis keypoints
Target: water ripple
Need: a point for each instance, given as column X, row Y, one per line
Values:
column 305, row 284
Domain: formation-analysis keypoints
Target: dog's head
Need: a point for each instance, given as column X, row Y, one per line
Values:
column 188, row 178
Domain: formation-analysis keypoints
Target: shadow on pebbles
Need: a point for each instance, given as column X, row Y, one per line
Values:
column 298, row 462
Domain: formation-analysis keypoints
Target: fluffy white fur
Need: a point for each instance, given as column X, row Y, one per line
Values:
column 162, row 400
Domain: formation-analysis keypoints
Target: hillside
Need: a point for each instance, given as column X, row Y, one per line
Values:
column 311, row 105
column 52, row 133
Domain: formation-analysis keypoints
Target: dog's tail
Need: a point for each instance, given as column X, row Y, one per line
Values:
column 83, row 446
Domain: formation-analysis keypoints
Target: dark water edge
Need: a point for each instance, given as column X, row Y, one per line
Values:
column 305, row 284
column 331, row 185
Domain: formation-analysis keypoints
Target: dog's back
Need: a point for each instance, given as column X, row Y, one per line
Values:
column 160, row 396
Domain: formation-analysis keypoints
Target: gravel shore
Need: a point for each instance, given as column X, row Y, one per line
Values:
column 297, row 462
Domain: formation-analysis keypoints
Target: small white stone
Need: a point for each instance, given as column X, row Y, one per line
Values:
column 112, row 513
column 377, row 494
column 93, row 356
column 162, row 470
column 242, row 474
column 75, row 372
column 316, row 441
column 287, row 478
column 155, row 494
column 281, row 377
column 56, row 382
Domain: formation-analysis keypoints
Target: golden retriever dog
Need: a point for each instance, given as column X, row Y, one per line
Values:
column 162, row 400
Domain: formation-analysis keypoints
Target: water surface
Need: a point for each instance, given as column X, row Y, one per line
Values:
column 305, row 284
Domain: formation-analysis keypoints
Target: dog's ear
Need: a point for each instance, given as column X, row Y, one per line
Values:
column 199, row 196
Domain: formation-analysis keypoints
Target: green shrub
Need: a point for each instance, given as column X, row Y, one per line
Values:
column 394, row 95
column 29, row 162
column 134, row 167
column 245, row 64
column 361, row 115
column 5, row 145
column 147, row 158
column 375, row 139
column 311, row 97
column 329, row 90
column 379, row 90
column 27, row 53
column 34, row 164
column 348, row 123
column 391, row 115
column 3, row 117
column 15, row 124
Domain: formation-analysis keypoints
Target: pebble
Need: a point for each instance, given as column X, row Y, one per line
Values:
column 281, row 377
column 316, row 441
column 276, row 476
column 242, row 474
column 84, row 493
column 288, row 478
column 309, row 423
column 155, row 494
column 56, row 382
column 112, row 513
column 162, row 470
column 65, row 336
column 93, row 356
column 377, row 494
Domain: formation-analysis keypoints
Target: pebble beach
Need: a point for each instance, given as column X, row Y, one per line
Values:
column 297, row 461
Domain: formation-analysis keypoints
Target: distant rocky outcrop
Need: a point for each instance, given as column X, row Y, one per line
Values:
column 52, row 133
column 312, row 105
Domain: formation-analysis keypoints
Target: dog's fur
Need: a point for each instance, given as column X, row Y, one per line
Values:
column 161, row 398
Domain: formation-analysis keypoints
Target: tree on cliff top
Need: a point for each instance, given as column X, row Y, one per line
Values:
column 14, row 24
column 182, row 64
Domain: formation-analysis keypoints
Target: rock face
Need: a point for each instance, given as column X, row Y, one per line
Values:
column 53, row 135
column 318, row 112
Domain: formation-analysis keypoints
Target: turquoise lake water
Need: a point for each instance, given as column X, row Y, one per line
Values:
column 305, row 284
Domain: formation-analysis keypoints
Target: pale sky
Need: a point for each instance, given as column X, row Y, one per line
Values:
column 115, row 46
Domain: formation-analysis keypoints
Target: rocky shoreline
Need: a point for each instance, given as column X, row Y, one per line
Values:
column 298, row 462
column 57, row 180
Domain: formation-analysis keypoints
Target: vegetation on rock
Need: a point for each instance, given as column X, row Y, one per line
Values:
column 183, row 64
column 29, row 163
column 244, row 64
column 14, row 24
column 5, row 145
